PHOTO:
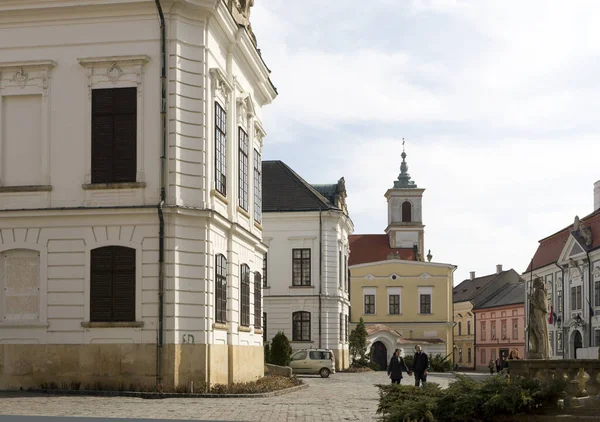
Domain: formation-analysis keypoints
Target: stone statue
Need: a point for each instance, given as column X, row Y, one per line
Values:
column 539, row 342
column 241, row 10
column 584, row 231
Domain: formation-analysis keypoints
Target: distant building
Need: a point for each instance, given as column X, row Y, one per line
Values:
column 403, row 299
column 569, row 263
column 468, row 294
column 500, row 324
column 305, row 282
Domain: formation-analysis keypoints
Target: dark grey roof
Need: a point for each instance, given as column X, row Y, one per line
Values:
column 510, row 294
column 480, row 289
column 284, row 190
column 328, row 191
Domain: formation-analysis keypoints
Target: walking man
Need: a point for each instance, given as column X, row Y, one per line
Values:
column 420, row 366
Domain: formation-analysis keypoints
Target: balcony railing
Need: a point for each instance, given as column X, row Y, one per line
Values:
column 582, row 376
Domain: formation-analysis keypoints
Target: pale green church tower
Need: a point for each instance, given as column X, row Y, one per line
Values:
column 405, row 217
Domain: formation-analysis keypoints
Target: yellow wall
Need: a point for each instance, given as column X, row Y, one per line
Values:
column 463, row 312
column 410, row 277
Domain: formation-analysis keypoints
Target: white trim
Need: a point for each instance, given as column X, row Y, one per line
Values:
column 368, row 291
column 394, row 291
column 36, row 81
column 401, row 261
column 114, row 72
column 425, row 291
column 43, row 278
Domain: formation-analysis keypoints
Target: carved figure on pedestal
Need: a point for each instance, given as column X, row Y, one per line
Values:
column 584, row 231
column 538, row 328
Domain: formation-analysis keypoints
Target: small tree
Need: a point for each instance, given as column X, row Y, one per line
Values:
column 267, row 352
column 358, row 345
column 280, row 350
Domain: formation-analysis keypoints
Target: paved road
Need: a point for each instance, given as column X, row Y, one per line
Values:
column 342, row 397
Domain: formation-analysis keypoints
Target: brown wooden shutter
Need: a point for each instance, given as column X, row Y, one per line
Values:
column 101, row 285
column 112, row 279
column 123, row 284
column 114, row 135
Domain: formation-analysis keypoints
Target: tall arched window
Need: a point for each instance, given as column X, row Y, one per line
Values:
column 221, row 289
column 406, row 212
column 245, row 295
column 301, row 326
column 257, row 300
column 112, row 284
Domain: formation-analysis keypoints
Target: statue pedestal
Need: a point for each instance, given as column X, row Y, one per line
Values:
column 534, row 355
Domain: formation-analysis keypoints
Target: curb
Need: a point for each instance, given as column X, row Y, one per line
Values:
column 143, row 395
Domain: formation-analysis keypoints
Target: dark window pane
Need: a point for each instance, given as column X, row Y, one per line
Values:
column 112, row 284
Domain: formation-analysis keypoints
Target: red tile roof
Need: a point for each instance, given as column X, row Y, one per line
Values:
column 550, row 248
column 366, row 248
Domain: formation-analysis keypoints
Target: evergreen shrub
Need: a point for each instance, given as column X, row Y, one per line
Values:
column 280, row 349
column 468, row 400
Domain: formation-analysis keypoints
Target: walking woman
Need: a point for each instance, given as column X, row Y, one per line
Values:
column 396, row 367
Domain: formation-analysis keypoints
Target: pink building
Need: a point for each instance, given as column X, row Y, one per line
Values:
column 500, row 325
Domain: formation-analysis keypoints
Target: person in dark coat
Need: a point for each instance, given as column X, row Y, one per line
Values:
column 420, row 366
column 396, row 367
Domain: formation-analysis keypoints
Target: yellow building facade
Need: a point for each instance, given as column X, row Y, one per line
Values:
column 464, row 335
column 412, row 298
column 403, row 299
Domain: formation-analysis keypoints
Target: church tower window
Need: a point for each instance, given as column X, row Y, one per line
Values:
column 406, row 212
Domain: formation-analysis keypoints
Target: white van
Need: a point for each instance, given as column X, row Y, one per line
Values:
column 313, row 361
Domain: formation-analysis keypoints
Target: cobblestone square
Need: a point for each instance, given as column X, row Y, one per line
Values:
column 342, row 397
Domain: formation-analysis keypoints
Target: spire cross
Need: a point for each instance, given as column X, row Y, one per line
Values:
column 403, row 144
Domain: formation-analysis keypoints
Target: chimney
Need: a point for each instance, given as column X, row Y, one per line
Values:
column 498, row 268
column 597, row 195
column 472, row 275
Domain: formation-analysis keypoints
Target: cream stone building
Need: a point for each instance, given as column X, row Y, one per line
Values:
column 568, row 262
column 306, row 286
column 403, row 299
column 130, row 196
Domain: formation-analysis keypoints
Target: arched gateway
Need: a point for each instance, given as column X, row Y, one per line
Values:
column 379, row 355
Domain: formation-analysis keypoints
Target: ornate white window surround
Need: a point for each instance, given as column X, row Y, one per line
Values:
column 259, row 134
column 29, row 78
column 221, row 91
column 115, row 72
column 220, row 87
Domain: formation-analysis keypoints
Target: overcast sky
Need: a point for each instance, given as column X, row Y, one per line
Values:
column 499, row 103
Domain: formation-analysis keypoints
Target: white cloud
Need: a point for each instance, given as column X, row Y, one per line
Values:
column 500, row 97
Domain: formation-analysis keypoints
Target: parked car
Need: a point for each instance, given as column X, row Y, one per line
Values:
column 313, row 361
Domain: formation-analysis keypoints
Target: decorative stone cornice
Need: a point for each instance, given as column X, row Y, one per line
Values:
column 23, row 73
column 220, row 86
column 110, row 60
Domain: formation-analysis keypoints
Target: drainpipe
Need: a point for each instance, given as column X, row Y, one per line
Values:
column 563, row 316
column 161, row 230
column 320, row 278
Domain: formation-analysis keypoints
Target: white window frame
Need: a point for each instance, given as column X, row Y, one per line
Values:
column 107, row 73
column 369, row 291
column 425, row 291
column 30, row 78
column 42, row 319
column 394, row 291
